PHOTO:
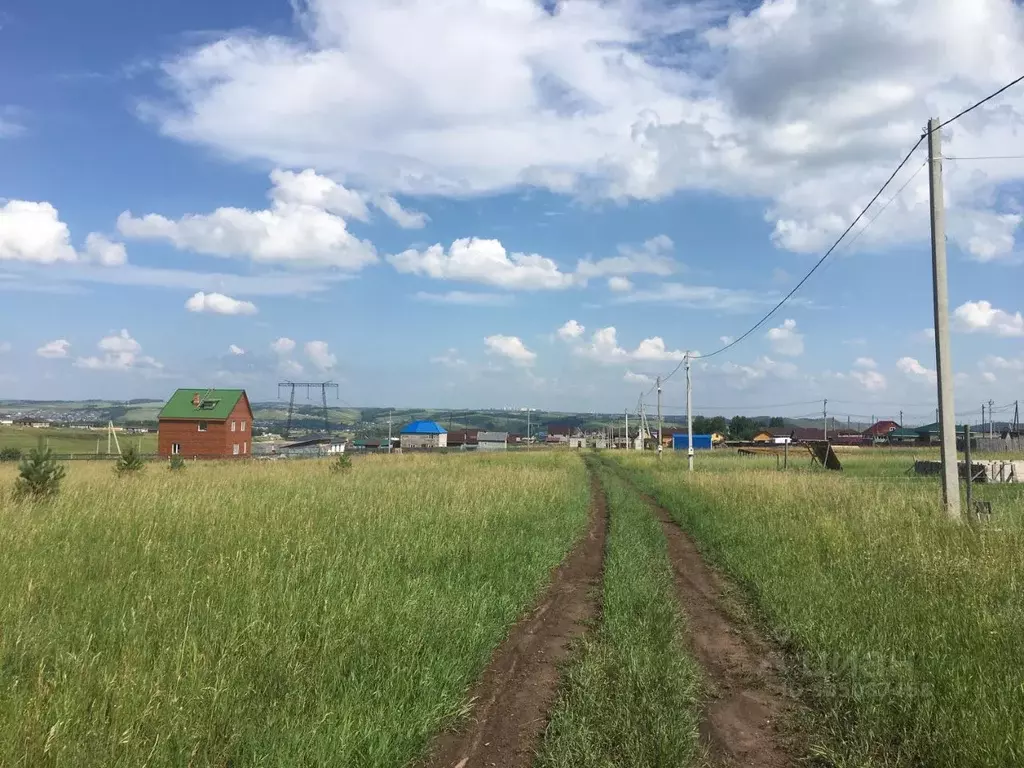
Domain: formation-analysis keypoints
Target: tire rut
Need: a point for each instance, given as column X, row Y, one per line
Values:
column 514, row 696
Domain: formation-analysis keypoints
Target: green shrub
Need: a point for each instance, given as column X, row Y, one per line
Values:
column 39, row 474
column 129, row 461
column 10, row 454
column 341, row 464
column 177, row 463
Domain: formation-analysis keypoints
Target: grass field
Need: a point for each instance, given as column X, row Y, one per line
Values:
column 906, row 627
column 269, row 613
column 630, row 697
column 71, row 441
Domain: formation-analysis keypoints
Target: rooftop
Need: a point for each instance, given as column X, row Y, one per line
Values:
column 214, row 404
column 423, row 428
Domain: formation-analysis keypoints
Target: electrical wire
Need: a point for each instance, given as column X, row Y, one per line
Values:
column 846, row 232
column 986, row 157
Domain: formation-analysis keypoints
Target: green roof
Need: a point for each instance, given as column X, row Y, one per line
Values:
column 217, row 404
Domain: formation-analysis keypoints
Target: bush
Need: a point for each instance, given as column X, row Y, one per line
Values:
column 129, row 461
column 10, row 454
column 341, row 464
column 39, row 474
column 177, row 463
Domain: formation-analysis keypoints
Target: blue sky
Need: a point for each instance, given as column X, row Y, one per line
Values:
column 484, row 204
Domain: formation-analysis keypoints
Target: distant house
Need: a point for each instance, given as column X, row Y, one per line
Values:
column 492, row 441
column 559, row 430
column 423, row 435
column 206, row 424
column 774, row 436
column 880, row 430
column 463, row 438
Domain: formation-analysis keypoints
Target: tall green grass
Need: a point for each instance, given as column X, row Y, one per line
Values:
column 269, row 613
column 630, row 696
column 908, row 627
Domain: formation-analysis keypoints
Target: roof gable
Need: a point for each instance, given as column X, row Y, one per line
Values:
column 423, row 428
column 216, row 404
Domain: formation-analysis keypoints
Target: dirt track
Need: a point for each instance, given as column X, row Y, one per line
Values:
column 517, row 690
column 747, row 701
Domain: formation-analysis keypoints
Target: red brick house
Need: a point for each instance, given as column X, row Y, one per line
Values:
column 206, row 424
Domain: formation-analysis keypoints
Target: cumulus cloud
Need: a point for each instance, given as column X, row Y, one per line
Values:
column 101, row 250
column 54, row 349
column 477, row 260
column 604, row 348
column 120, row 352
column 511, row 347
column 302, row 227
column 865, row 363
column 33, row 232
column 320, row 356
column 786, row 340
column 571, row 330
column 619, row 284
column 982, row 317
column 219, row 304
column 800, row 103
column 283, row 346
column 636, row 378
column 234, row 349
column 870, row 379
column 651, row 258
column 914, row 370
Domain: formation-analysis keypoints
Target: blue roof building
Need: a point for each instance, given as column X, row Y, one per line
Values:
column 423, row 428
column 423, row 435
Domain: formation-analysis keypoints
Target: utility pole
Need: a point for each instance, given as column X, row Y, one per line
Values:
column 1016, row 418
column 901, row 419
column 982, row 418
column 389, row 430
column 970, row 469
column 991, row 419
column 940, row 296
column 625, row 412
column 689, row 416
column 824, row 412
column 659, row 416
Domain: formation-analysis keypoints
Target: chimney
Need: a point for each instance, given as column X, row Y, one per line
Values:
column 196, row 400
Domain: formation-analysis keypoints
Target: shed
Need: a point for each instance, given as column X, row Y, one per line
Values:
column 206, row 424
column 492, row 441
column 423, row 434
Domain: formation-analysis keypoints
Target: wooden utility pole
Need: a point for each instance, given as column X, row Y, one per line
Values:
column 689, row 416
column 940, row 305
column 659, row 416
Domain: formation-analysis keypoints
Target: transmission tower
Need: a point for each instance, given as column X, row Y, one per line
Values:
column 309, row 386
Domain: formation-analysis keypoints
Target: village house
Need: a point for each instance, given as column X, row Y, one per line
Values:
column 206, row 424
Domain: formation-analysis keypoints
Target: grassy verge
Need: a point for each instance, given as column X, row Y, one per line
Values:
column 630, row 695
column 907, row 626
column 268, row 613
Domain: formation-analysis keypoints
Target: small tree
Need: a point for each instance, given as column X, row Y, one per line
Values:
column 10, row 454
column 341, row 464
column 177, row 464
column 39, row 474
column 129, row 461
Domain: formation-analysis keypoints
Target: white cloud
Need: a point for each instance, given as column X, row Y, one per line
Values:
column 925, row 334
column 982, row 317
column 698, row 296
column 604, row 348
column 34, row 232
column 865, row 362
column 801, row 103
column 234, row 349
column 450, row 359
column 1004, row 364
column 871, row 380
column 290, row 368
column 219, row 304
column 465, row 298
column 320, row 356
column 786, row 340
column 990, row 377
column 651, row 258
column 913, row 369
column 402, row 217
column 54, row 349
column 987, row 236
column 105, row 252
column 302, row 227
column 120, row 353
column 283, row 346
column 636, row 378
column 571, row 330
column 483, row 261
column 619, row 284
column 511, row 347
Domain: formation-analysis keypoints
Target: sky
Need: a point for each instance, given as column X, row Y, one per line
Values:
column 508, row 203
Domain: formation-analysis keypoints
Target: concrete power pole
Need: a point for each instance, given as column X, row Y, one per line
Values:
column 689, row 416
column 659, row 416
column 991, row 419
column 625, row 412
column 824, row 412
column 940, row 296
column 389, row 431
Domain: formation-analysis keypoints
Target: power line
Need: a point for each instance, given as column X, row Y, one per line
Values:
column 847, row 231
column 987, row 157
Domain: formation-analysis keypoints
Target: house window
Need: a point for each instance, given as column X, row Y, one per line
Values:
column 243, row 426
column 235, row 449
column 202, row 426
column 232, row 426
column 175, row 449
column 245, row 447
